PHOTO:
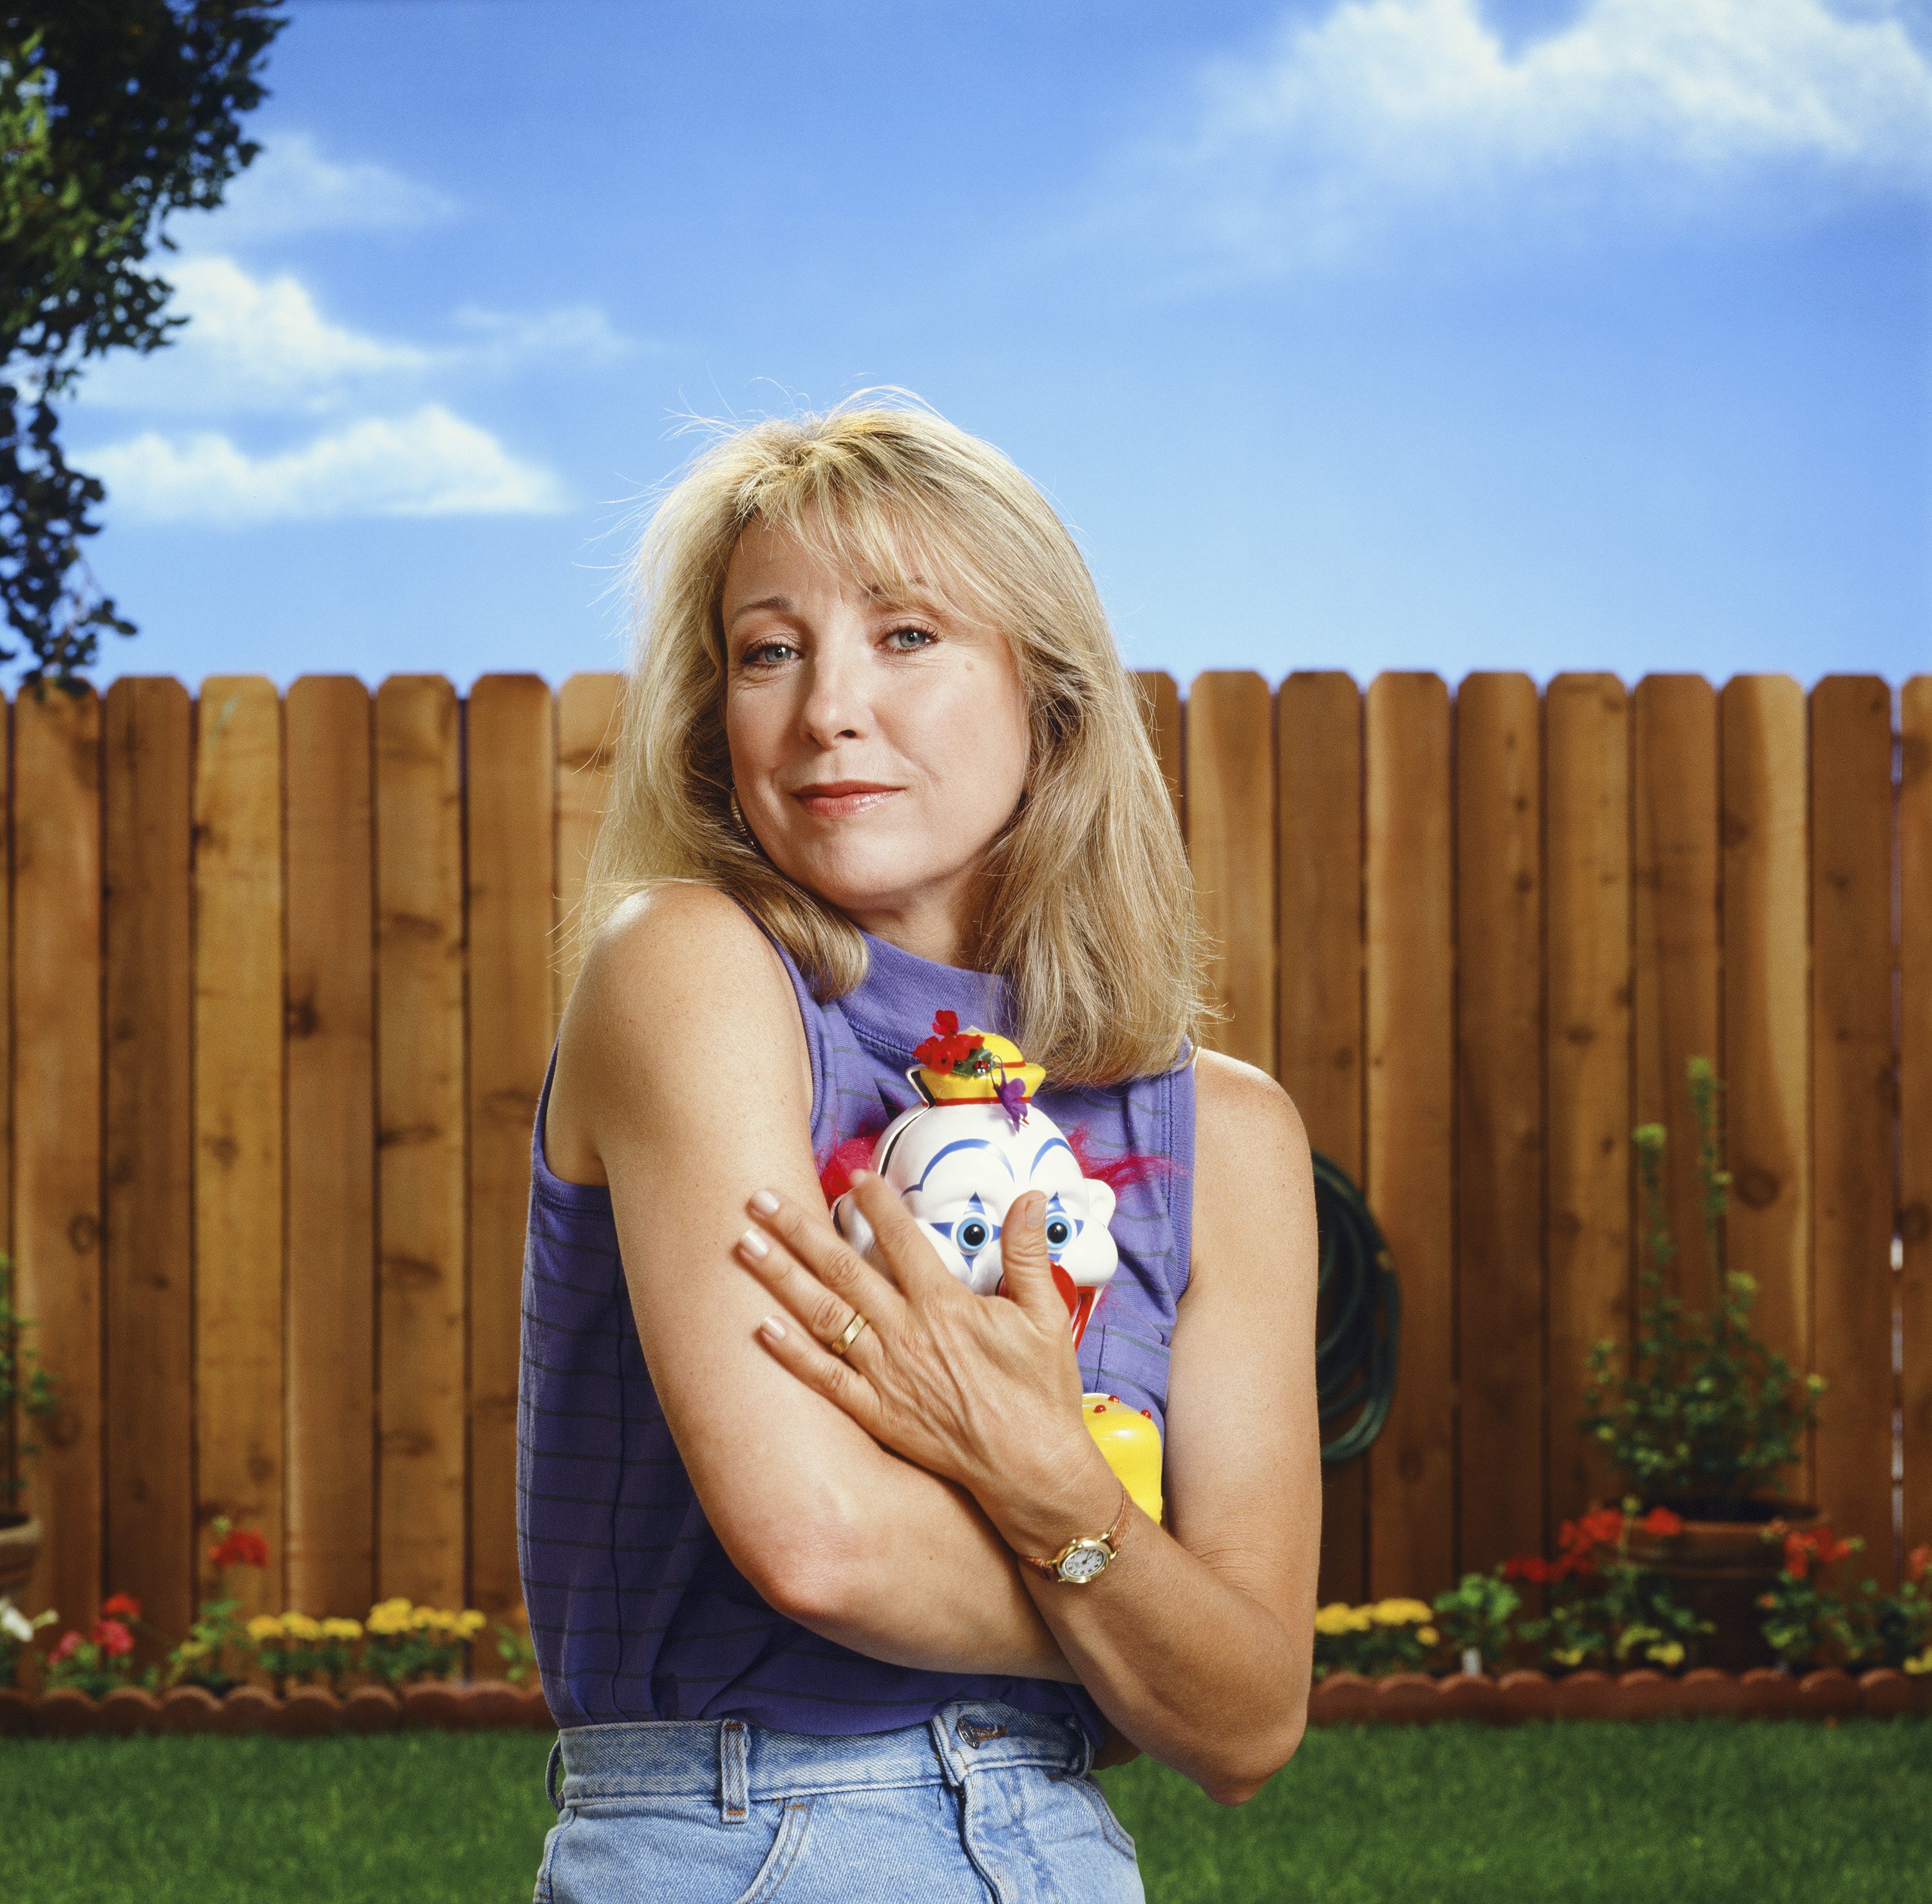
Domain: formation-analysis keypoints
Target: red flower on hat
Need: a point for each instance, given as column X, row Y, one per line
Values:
column 948, row 1046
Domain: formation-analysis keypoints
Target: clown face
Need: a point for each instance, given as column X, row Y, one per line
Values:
column 959, row 1168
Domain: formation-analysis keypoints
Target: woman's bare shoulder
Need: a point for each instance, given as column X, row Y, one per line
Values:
column 1240, row 1111
column 1253, row 1184
column 680, row 997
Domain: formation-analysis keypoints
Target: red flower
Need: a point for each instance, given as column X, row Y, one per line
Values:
column 120, row 1606
column 1531, row 1567
column 70, row 1644
column 1918, row 1563
column 112, row 1638
column 1661, row 1520
column 948, row 1044
column 242, row 1546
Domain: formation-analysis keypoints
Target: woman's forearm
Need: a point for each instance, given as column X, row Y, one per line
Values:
column 921, row 1578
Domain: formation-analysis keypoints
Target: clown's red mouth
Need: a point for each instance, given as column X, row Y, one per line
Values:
column 1080, row 1302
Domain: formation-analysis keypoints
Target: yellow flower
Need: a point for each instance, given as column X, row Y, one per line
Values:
column 1568, row 1655
column 1922, row 1663
column 470, row 1623
column 1670, row 1653
column 1427, row 1634
column 1399, row 1613
column 391, row 1616
column 265, row 1626
column 342, row 1629
column 1335, row 1618
column 299, row 1626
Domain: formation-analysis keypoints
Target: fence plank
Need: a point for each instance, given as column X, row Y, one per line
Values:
column 1499, row 1116
column 239, row 1009
column 1767, row 1006
column 330, row 1049
column 1587, row 1051
column 1410, row 1121
column 1231, row 846
column 1160, row 706
column 1674, row 896
column 57, row 1207
column 1318, row 763
column 586, row 733
column 420, row 1127
column 149, row 1238
column 1915, row 1098
column 512, row 771
column 1852, row 1107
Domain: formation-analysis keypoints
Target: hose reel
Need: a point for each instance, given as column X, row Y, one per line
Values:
column 1359, row 1312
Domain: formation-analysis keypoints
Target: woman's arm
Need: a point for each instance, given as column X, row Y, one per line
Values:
column 1197, row 1641
column 683, row 1082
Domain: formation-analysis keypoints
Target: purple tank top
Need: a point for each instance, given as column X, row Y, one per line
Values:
column 635, row 1612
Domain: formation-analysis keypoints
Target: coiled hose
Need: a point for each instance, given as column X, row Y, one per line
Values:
column 1359, row 1308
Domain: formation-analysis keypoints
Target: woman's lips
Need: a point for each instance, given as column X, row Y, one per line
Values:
column 835, row 799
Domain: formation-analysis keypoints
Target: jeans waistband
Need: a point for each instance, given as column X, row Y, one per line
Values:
column 736, row 1763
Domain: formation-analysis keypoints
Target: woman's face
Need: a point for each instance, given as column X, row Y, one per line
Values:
column 877, row 747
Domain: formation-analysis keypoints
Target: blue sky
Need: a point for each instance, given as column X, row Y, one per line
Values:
column 1368, row 333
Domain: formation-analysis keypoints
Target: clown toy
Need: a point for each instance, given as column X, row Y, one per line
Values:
column 960, row 1158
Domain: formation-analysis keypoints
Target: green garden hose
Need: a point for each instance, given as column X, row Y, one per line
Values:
column 1360, row 1306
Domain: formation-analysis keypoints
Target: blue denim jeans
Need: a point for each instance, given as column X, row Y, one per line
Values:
column 983, row 1805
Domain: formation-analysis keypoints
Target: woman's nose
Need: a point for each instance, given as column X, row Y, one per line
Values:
column 834, row 708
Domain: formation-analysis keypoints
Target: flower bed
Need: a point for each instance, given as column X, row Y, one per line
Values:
column 307, row 1712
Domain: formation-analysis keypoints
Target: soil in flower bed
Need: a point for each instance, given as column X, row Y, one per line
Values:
column 1628, row 1815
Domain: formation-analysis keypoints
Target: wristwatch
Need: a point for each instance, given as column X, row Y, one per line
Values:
column 1086, row 1556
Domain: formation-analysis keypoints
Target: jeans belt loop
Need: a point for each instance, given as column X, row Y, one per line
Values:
column 733, row 1793
column 550, row 1771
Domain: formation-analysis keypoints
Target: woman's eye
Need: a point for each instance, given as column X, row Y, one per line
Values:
column 1058, row 1229
column 767, row 654
column 909, row 641
column 972, row 1234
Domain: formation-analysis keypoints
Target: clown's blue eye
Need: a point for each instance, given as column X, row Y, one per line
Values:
column 972, row 1234
column 1058, row 1230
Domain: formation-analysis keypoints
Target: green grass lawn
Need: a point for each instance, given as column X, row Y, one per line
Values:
column 1692, row 1813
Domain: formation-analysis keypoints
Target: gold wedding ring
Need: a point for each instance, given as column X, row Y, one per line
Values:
column 851, row 1335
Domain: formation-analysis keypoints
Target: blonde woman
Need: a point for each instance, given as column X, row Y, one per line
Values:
column 834, row 1595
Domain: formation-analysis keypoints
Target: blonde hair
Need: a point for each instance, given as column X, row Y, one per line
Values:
column 1091, row 911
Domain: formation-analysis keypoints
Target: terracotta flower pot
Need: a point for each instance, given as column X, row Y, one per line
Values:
column 1719, row 1569
column 20, row 1548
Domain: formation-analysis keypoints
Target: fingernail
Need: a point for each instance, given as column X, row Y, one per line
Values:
column 1034, row 1217
column 859, row 1177
column 766, row 1203
column 753, row 1244
column 772, row 1329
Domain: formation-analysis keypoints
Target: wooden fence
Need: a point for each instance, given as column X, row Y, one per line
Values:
column 284, row 979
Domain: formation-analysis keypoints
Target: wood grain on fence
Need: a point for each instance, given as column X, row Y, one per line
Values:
column 1498, row 1159
column 1319, row 801
column 586, row 732
column 331, row 1055
column 1674, row 897
column 1587, row 1028
column 1410, row 1117
column 1915, row 1107
column 1477, row 940
column 420, row 1050
column 1766, row 1107
column 1230, row 813
column 238, row 1006
column 57, row 1209
column 148, row 1244
column 512, row 772
column 1853, row 1085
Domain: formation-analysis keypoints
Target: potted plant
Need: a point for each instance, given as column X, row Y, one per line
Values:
column 1701, row 1418
column 26, row 1386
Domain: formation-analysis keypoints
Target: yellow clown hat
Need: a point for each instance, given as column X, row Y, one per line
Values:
column 972, row 1066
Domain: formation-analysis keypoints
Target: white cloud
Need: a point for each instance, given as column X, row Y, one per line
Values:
column 428, row 463
column 262, row 344
column 1379, row 110
column 291, row 188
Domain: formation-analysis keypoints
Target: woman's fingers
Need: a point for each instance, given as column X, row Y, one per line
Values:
column 1025, row 1266
column 817, row 1274
column 913, row 1260
column 832, row 1376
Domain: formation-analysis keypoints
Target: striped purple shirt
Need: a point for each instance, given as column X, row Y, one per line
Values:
column 635, row 1612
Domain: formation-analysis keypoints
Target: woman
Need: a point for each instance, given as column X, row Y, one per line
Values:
column 834, row 1595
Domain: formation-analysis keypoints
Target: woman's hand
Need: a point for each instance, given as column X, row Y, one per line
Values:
column 984, row 1391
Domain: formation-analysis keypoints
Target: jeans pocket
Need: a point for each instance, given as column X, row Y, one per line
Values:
column 672, row 1852
column 1110, row 1827
column 542, row 1894
column 794, row 1815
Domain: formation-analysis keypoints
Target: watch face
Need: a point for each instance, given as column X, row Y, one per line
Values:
column 1085, row 1562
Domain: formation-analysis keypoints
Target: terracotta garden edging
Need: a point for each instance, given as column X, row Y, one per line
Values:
column 1414, row 1699
column 308, row 1712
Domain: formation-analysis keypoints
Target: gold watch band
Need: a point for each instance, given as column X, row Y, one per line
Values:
column 1111, row 1538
